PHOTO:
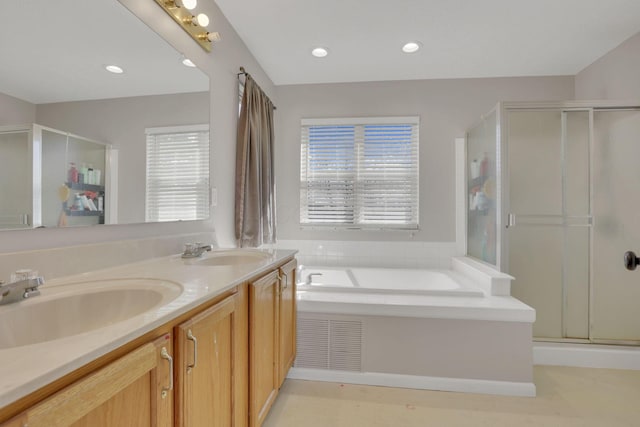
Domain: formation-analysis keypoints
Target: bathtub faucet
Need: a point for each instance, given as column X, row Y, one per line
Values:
column 310, row 278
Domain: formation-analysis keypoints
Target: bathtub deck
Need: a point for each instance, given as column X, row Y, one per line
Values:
column 499, row 308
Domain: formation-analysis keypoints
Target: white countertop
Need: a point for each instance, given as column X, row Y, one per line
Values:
column 25, row 369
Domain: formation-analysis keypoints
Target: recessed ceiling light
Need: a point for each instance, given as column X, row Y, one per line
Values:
column 411, row 47
column 319, row 52
column 188, row 62
column 114, row 69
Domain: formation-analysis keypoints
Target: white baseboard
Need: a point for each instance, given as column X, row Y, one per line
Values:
column 586, row 355
column 463, row 385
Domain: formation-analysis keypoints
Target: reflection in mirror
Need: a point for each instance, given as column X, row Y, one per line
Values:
column 15, row 191
column 50, row 192
column 58, row 106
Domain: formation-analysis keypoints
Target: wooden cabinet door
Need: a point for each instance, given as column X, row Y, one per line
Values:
column 17, row 421
column 207, row 367
column 263, row 346
column 127, row 392
column 287, row 320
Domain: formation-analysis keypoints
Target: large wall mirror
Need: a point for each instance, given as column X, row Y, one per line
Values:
column 118, row 142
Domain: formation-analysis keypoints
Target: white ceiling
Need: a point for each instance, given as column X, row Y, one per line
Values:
column 461, row 38
column 55, row 51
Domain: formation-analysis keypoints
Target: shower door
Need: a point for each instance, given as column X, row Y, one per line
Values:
column 616, row 207
column 573, row 211
column 548, row 220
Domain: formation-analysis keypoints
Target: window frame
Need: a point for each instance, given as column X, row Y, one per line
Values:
column 202, row 204
column 359, row 124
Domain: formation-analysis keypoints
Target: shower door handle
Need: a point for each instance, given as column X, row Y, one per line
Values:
column 511, row 220
column 631, row 261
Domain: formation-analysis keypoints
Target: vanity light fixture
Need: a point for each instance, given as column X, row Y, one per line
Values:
column 114, row 69
column 193, row 23
column 319, row 52
column 411, row 47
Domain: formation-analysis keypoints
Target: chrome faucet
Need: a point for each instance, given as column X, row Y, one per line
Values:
column 310, row 278
column 20, row 289
column 195, row 250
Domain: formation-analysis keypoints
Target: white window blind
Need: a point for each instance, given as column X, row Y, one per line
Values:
column 177, row 185
column 359, row 173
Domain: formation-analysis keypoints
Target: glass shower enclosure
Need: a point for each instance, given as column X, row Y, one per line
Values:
column 566, row 212
column 35, row 163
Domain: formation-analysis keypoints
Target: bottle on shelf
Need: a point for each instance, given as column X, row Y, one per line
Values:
column 484, row 166
column 72, row 175
column 77, row 203
column 84, row 172
column 90, row 175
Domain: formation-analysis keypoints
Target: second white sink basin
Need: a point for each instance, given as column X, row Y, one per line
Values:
column 231, row 257
column 71, row 309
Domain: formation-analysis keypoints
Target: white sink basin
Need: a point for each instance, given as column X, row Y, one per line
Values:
column 231, row 257
column 71, row 309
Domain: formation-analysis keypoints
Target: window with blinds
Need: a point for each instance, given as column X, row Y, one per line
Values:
column 359, row 173
column 177, row 186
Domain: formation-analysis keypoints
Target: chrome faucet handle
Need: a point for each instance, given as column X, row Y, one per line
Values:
column 33, row 292
column 20, row 289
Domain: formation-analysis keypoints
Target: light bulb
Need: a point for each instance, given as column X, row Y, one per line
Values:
column 187, row 62
column 214, row 37
column 189, row 4
column 202, row 20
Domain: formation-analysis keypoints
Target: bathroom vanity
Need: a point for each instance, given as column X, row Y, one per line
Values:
column 215, row 353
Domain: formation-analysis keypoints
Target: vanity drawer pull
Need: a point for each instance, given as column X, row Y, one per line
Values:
column 190, row 337
column 165, row 355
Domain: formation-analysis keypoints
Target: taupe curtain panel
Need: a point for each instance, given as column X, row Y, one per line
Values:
column 255, row 181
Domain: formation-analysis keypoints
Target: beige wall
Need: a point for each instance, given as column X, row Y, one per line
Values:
column 221, row 65
column 613, row 76
column 446, row 109
column 14, row 111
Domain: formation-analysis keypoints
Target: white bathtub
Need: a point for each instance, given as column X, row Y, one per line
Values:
column 386, row 281
column 430, row 329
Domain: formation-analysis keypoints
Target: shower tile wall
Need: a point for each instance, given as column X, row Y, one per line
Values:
column 373, row 253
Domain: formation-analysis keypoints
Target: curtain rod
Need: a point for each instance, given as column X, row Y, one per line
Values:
column 243, row 72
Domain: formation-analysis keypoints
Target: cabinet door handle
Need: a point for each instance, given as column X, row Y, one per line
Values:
column 286, row 280
column 190, row 337
column 165, row 355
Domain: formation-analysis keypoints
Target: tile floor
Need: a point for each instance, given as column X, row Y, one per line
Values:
column 566, row 397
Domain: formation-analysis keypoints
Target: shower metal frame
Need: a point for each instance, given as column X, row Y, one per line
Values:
column 504, row 218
